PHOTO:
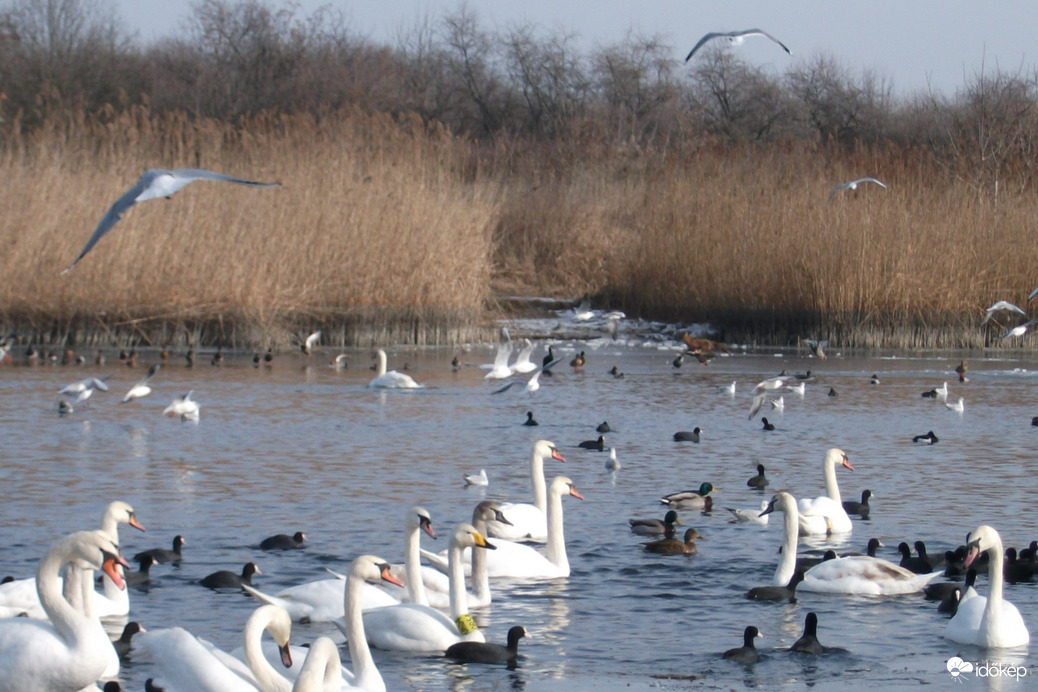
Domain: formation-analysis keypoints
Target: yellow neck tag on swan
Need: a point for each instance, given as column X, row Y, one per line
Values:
column 466, row 624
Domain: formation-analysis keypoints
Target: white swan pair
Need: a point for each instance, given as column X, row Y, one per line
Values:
column 391, row 379
column 529, row 522
column 520, row 561
column 992, row 621
column 188, row 663
column 859, row 574
column 71, row 651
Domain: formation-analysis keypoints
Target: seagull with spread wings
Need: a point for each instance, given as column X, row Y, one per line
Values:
column 853, row 185
column 1001, row 305
column 153, row 184
column 734, row 38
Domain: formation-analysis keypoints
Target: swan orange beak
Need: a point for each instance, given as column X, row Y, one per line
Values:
column 387, row 576
column 556, row 456
column 847, row 463
column 286, row 655
column 110, row 567
column 575, row 493
column 134, row 523
column 427, row 527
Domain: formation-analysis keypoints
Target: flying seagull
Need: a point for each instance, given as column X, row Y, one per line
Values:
column 735, row 38
column 853, row 185
column 153, row 184
column 1001, row 305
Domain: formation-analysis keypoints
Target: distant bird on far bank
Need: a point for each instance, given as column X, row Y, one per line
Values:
column 818, row 347
column 153, row 184
column 852, row 186
column 874, row 379
column 735, row 38
column 1001, row 305
column 960, row 370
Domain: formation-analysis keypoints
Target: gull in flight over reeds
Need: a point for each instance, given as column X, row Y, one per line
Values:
column 853, row 185
column 735, row 38
column 1018, row 330
column 141, row 388
column 153, row 184
column 1001, row 305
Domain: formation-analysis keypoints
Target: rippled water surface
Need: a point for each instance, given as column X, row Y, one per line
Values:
column 300, row 446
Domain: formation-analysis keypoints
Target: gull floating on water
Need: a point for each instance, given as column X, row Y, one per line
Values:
column 853, row 185
column 735, row 38
column 477, row 478
column 611, row 463
column 958, row 406
column 1001, row 305
column 153, row 184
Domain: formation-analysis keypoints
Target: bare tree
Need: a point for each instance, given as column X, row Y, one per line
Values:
column 469, row 64
column 839, row 108
column 551, row 77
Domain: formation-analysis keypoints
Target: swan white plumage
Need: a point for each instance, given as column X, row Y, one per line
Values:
column 825, row 514
column 992, row 621
column 391, row 379
column 322, row 669
column 414, row 627
column 529, row 522
column 70, row 651
column 322, row 600
column 187, row 663
column 20, row 598
column 521, row 561
column 784, row 502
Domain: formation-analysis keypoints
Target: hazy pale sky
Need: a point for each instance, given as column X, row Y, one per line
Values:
column 912, row 43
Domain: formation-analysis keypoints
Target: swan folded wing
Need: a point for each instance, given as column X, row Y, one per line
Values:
column 528, row 523
column 410, row 627
column 864, row 575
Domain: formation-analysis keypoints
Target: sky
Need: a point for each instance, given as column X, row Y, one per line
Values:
column 915, row 45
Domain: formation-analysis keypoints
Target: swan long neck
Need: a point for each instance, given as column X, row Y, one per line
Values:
column 788, row 560
column 413, row 567
column 556, row 539
column 323, row 668
column 480, row 574
column 66, row 619
column 267, row 678
column 540, row 491
column 831, row 488
column 381, row 363
column 456, row 573
column 364, row 670
column 110, row 527
column 993, row 609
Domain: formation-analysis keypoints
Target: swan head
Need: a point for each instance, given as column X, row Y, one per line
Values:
column 981, row 539
column 369, row 567
column 276, row 620
column 122, row 513
column 418, row 518
column 466, row 536
column 837, row 456
column 488, row 510
column 93, row 550
column 780, row 502
column 545, row 450
column 562, row 485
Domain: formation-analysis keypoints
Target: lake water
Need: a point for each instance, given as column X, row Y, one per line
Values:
column 301, row 446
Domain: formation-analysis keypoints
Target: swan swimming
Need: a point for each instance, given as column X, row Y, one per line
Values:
column 153, row 184
column 529, row 522
column 825, row 514
column 391, row 379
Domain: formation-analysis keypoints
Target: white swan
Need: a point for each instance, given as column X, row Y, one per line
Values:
column 825, row 514
column 413, row 627
column 322, row 670
column 415, row 576
column 322, row 600
column 521, row 561
column 529, row 522
column 992, row 621
column 187, row 663
column 438, row 586
column 391, row 379
column 784, row 502
column 71, row 651
column 19, row 597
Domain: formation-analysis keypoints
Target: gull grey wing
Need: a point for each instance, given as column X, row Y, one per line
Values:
column 712, row 34
column 508, row 386
column 766, row 34
column 193, row 174
column 115, row 214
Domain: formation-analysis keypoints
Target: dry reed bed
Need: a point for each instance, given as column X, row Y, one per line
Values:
column 371, row 226
column 397, row 230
